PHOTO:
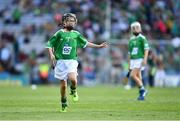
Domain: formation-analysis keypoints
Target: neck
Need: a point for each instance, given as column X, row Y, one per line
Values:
column 136, row 34
column 66, row 30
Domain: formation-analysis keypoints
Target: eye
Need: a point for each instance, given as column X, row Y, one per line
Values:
column 69, row 19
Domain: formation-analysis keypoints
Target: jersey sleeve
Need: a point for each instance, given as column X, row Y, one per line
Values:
column 52, row 41
column 81, row 41
column 145, row 44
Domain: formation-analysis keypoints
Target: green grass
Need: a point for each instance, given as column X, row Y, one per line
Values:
column 96, row 103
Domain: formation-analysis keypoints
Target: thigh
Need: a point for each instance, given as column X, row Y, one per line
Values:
column 60, row 70
column 72, row 76
column 135, row 71
column 71, row 66
column 135, row 64
column 63, row 82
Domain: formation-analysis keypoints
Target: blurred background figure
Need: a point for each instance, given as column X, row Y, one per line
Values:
column 26, row 25
column 152, row 62
column 116, row 68
column 160, row 75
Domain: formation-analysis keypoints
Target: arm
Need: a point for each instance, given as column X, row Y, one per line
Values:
column 82, row 43
column 52, row 57
column 145, row 57
column 50, row 47
column 89, row 44
column 146, row 51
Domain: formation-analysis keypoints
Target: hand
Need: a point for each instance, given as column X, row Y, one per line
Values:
column 144, row 62
column 53, row 59
column 103, row 45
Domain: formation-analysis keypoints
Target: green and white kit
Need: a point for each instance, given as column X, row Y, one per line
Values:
column 136, row 48
column 65, row 45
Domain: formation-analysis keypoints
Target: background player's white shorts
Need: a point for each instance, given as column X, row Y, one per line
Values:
column 64, row 67
column 136, row 63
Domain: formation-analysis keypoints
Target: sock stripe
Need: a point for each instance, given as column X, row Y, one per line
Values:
column 72, row 87
column 63, row 100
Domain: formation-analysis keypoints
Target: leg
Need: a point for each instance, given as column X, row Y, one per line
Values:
column 136, row 75
column 73, row 78
column 60, row 72
column 151, row 81
column 125, row 80
column 63, row 87
column 140, row 76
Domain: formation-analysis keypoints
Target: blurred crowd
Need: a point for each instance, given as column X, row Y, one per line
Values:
column 26, row 25
column 159, row 18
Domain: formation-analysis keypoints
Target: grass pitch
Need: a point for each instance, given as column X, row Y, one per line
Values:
column 96, row 103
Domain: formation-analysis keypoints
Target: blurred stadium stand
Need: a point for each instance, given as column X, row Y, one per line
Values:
column 26, row 25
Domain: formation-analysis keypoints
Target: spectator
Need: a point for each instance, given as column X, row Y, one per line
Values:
column 160, row 75
column 151, row 67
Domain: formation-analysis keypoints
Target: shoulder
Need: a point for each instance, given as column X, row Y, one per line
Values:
column 59, row 32
column 76, row 32
column 142, row 37
column 132, row 37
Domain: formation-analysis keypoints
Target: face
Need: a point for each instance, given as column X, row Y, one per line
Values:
column 69, row 23
column 136, row 29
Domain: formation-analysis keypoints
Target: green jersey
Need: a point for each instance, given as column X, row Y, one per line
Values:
column 137, row 45
column 65, row 44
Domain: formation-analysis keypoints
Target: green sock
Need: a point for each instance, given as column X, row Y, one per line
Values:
column 73, row 89
column 63, row 100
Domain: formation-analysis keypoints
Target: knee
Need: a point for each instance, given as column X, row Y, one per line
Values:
column 63, row 85
column 73, row 79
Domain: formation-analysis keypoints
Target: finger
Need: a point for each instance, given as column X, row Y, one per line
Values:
column 108, row 43
column 104, row 43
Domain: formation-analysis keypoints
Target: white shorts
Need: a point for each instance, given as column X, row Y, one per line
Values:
column 136, row 63
column 64, row 67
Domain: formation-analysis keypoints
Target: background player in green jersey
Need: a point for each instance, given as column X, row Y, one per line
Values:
column 62, row 47
column 138, row 48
